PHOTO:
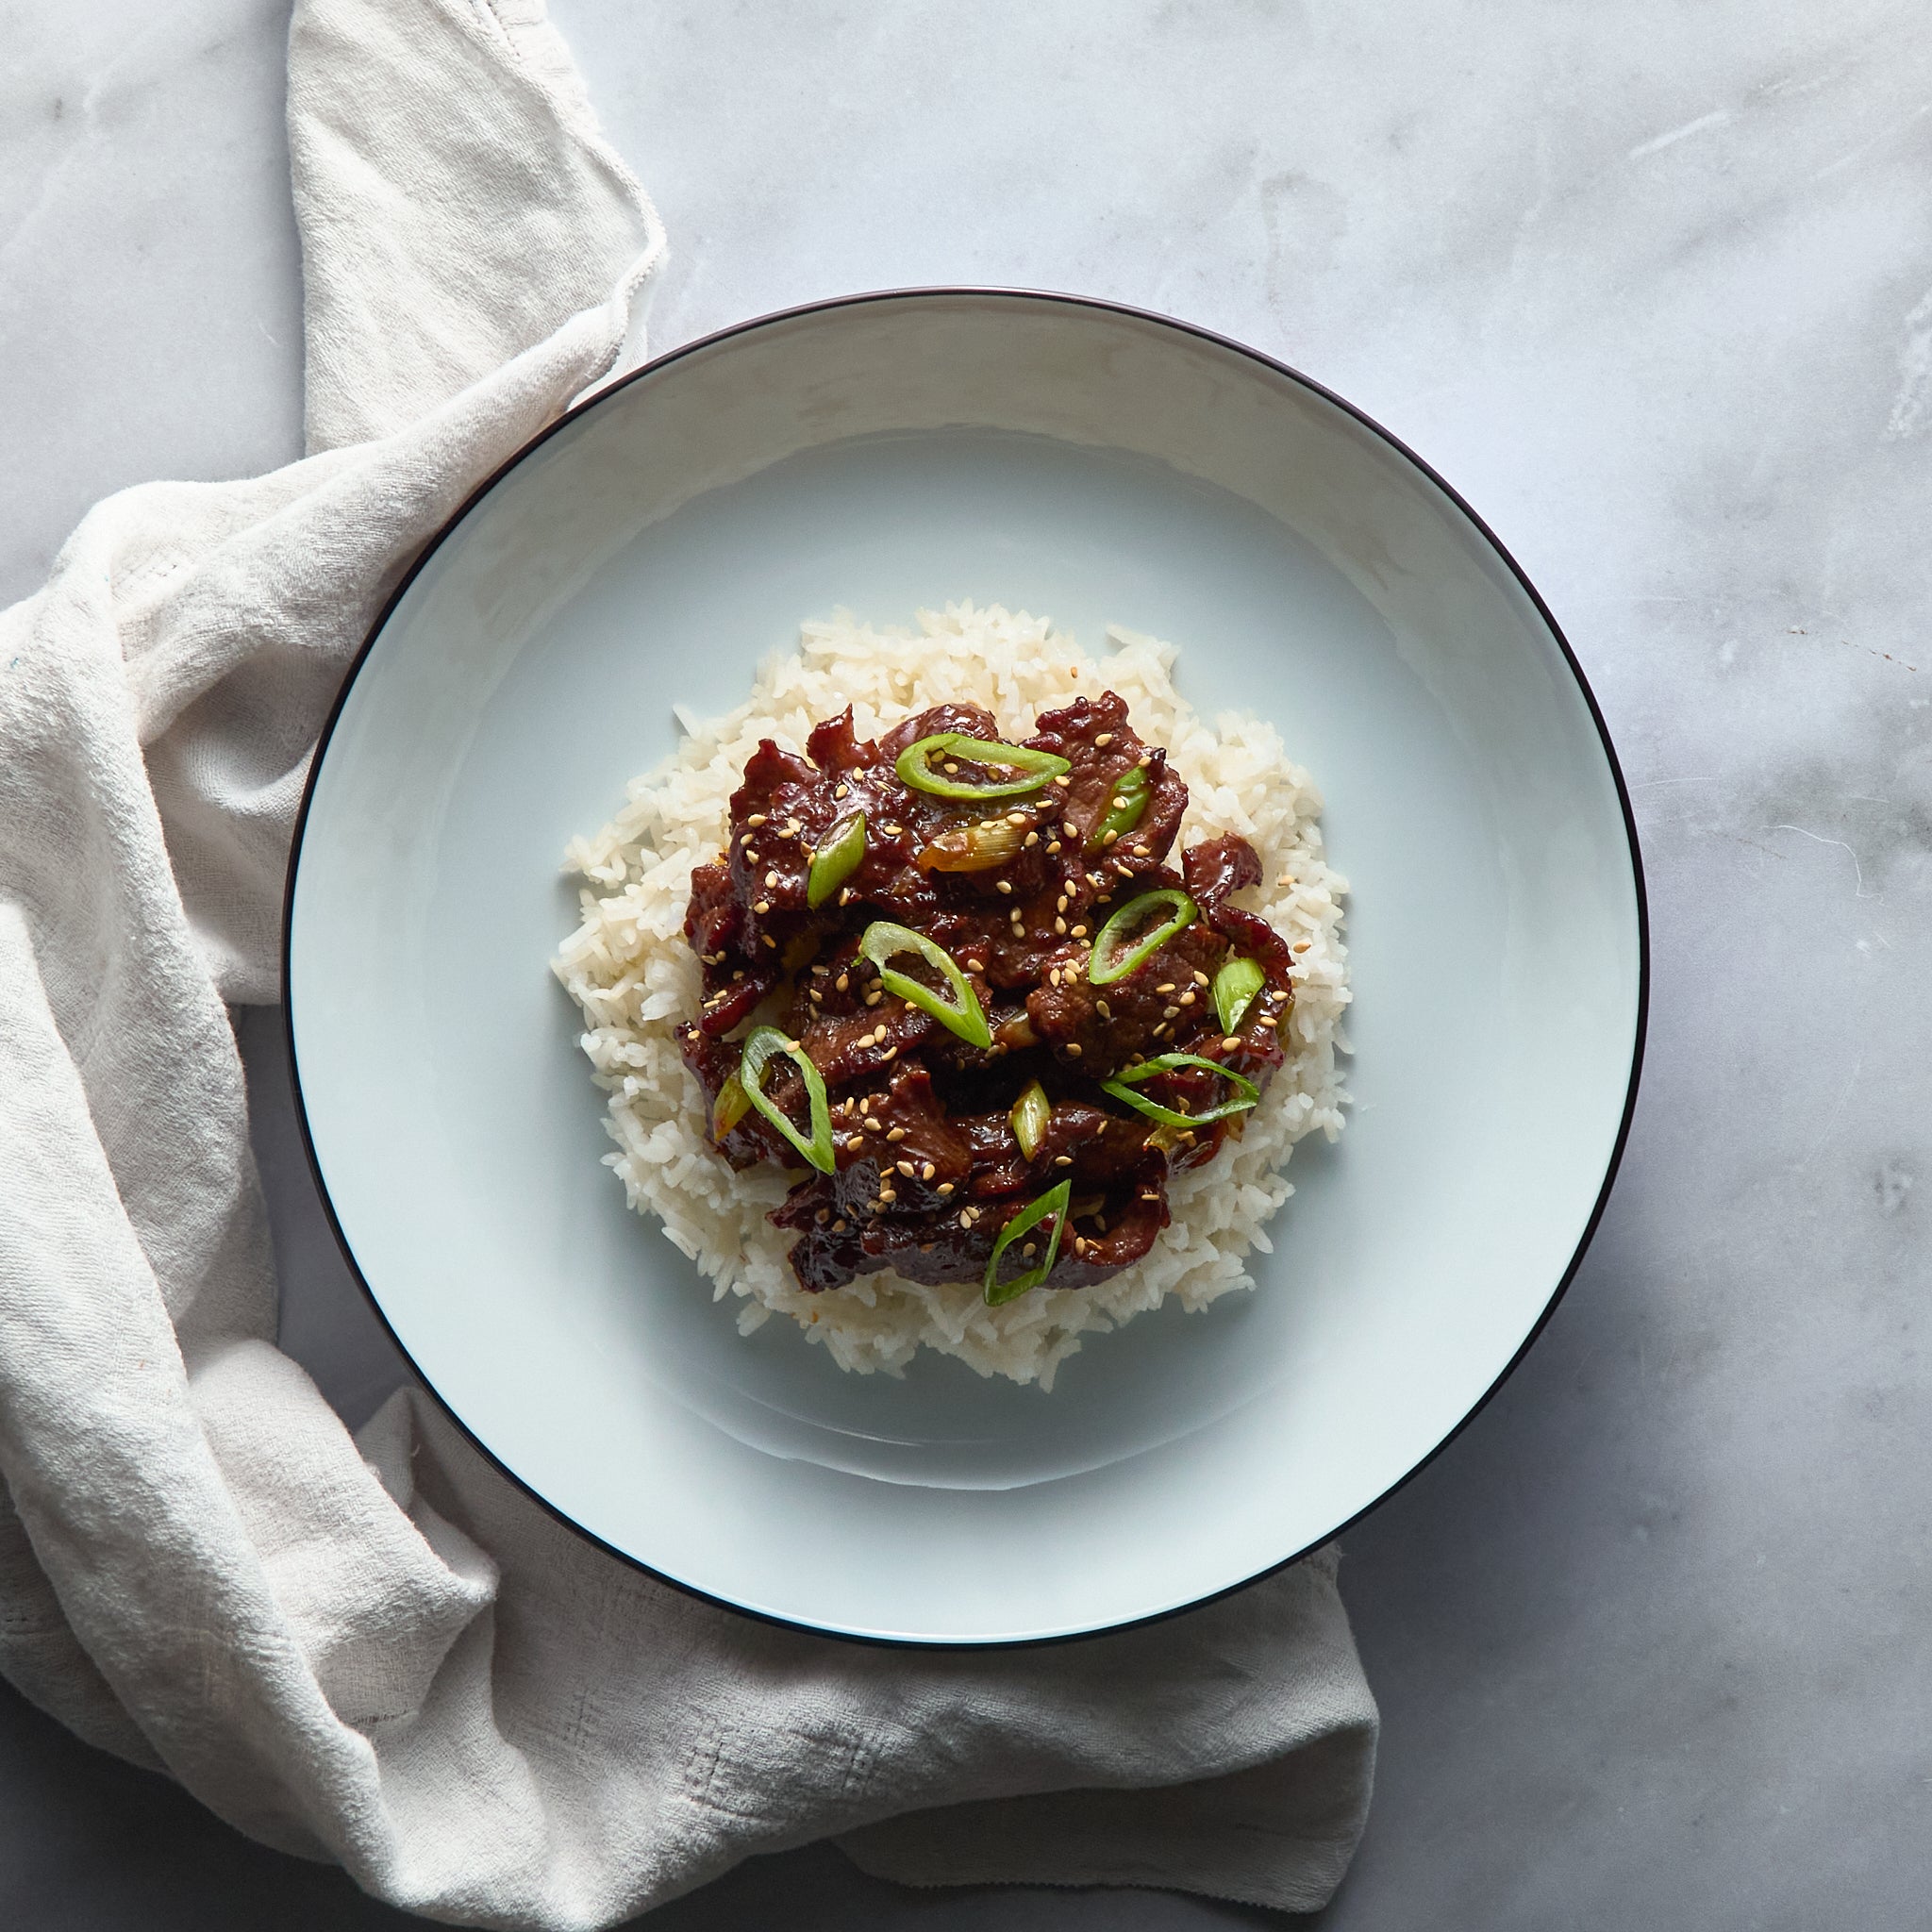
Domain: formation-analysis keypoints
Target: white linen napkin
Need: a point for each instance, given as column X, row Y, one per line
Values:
column 374, row 1649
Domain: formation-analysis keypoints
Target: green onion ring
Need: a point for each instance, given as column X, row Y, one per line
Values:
column 1126, row 807
column 1234, row 986
column 884, row 940
column 835, row 860
column 914, row 766
column 1053, row 1202
column 763, row 1045
column 1115, row 956
column 1121, row 1087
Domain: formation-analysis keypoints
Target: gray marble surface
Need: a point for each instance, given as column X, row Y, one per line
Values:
column 1652, row 283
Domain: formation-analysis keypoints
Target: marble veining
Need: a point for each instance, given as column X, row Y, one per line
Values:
column 1653, row 286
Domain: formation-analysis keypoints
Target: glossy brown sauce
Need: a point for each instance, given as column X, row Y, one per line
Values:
column 928, row 1165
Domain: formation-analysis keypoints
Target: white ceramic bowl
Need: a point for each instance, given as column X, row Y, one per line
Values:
column 1097, row 465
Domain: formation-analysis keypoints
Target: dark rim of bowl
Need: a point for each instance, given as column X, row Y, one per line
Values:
column 1034, row 296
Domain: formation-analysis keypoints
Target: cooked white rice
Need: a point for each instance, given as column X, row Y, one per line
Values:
column 629, row 969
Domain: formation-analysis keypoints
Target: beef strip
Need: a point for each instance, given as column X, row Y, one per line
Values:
column 927, row 1167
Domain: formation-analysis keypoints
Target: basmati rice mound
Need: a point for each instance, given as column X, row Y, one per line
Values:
column 629, row 970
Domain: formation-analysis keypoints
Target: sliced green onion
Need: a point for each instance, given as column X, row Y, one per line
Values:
column 1053, row 1202
column 1121, row 1087
column 731, row 1106
column 915, row 766
column 764, row 1044
column 884, row 940
column 835, row 862
column 1126, row 807
column 1117, row 952
column 1030, row 1112
column 1234, row 986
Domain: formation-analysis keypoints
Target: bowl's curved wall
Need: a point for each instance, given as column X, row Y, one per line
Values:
column 1103, row 467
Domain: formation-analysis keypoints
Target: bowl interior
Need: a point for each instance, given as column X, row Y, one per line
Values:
column 1099, row 467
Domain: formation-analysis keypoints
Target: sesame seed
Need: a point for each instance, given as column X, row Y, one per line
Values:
column 763, row 906
column 1230, row 1041
column 1060, row 925
column 1269, row 1020
column 1111, row 839
column 1030, row 840
column 879, row 1034
column 1073, row 1048
column 1063, row 781
column 891, row 1053
column 1121, row 803
column 874, row 1126
column 1070, row 831
column 1079, row 932
column 1063, row 1161
column 1200, row 979
column 927, row 1170
column 1027, row 1252
column 886, row 1195
column 758, row 818
column 1166, row 986
column 839, row 1226
column 950, row 766
column 839, row 791
column 843, row 982
column 1299, row 946
column 772, row 881
column 1105, row 740
column 823, row 1215
column 1053, row 845
column 1017, row 818
column 746, row 840
column 1004, row 886
column 1187, row 997
column 875, row 996
column 896, row 1133
column 770, row 942
column 945, row 1186
column 1104, row 1011
column 1143, row 851
column 905, row 1167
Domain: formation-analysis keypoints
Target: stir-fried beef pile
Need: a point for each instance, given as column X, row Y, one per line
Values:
column 947, row 978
